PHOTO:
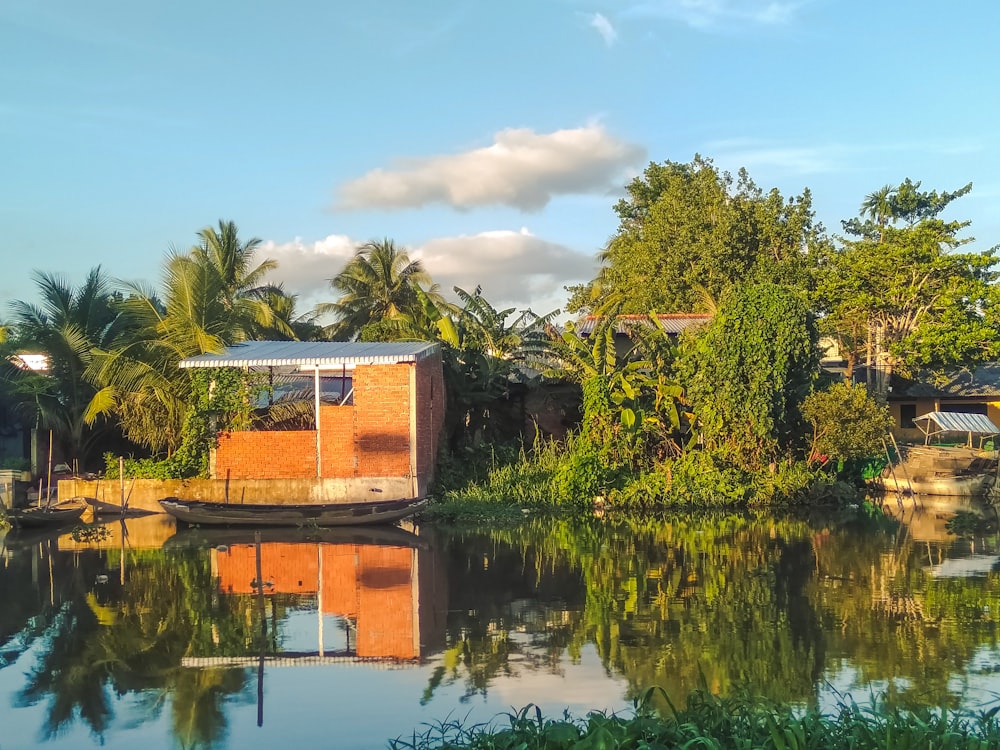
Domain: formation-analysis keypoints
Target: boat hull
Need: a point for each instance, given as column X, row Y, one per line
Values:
column 194, row 512
column 59, row 514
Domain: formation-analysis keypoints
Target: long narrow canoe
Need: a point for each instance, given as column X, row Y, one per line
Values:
column 196, row 512
column 57, row 514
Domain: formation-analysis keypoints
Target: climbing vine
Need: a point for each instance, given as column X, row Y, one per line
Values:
column 221, row 399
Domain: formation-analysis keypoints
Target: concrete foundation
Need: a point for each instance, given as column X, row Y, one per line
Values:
column 145, row 494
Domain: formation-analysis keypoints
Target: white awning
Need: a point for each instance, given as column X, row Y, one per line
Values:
column 328, row 355
column 956, row 421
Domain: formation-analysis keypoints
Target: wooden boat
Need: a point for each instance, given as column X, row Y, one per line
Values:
column 56, row 514
column 952, row 485
column 195, row 512
column 942, row 470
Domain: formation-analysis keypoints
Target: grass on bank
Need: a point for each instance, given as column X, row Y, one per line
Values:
column 710, row 722
column 506, row 481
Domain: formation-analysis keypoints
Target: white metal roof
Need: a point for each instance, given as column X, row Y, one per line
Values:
column 955, row 421
column 322, row 354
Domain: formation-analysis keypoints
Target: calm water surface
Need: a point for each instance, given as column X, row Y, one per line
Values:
column 154, row 638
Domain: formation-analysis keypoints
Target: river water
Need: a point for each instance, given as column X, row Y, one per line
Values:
column 139, row 635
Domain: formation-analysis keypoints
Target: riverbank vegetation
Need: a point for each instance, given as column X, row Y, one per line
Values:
column 709, row 721
column 731, row 411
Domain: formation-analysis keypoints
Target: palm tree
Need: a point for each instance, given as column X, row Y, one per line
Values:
column 486, row 328
column 211, row 298
column 379, row 283
column 880, row 205
column 67, row 325
column 241, row 288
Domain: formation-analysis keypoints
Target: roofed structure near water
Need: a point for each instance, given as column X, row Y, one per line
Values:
column 313, row 354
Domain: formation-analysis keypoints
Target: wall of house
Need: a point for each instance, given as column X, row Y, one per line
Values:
column 370, row 440
column 431, row 405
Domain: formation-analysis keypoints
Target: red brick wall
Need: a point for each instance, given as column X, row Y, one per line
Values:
column 382, row 420
column 369, row 439
column 430, row 414
column 272, row 455
column 337, row 441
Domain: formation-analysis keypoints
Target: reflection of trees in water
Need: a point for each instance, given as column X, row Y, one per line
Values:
column 104, row 640
column 776, row 604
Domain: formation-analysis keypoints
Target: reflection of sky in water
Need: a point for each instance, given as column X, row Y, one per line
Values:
column 978, row 688
column 351, row 706
column 301, row 630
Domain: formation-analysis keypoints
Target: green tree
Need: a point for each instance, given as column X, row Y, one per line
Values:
column 379, row 283
column 898, row 295
column 847, row 422
column 748, row 371
column 685, row 228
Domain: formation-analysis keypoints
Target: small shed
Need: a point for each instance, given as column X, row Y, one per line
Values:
column 937, row 423
column 377, row 414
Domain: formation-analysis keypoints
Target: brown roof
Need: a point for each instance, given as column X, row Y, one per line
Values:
column 672, row 322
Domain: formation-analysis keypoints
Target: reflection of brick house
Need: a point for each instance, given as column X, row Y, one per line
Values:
column 379, row 588
column 379, row 408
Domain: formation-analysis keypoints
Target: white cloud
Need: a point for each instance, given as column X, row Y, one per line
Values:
column 520, row 168
column 514, row 268
column 305, row 268
column 752, row 154
column 604, row 28
column 710, row 14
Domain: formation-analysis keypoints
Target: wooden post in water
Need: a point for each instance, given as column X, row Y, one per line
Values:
column 121, row 483
column 263, row 633
column 48, row 482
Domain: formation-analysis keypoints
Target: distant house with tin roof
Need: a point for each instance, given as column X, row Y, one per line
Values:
column 674, row 324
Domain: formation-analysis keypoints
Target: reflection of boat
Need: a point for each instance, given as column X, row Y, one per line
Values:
column 338, row 514
column 56, row 514
column 21, row 538
column 965, row 567
column 386, row 535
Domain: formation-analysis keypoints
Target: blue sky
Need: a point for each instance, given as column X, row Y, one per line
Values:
column 491, row 139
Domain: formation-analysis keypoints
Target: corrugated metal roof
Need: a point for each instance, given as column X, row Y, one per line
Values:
column 671, row 322
column 322, row 353
column 956, row 421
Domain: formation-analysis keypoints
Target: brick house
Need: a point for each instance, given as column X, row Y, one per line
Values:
column 373, row 414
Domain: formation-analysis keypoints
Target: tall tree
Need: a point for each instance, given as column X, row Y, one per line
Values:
column 687, row 229
column 379, row 283
column 896, row 294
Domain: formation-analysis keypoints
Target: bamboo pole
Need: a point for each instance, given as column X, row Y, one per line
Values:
column 48, row 481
